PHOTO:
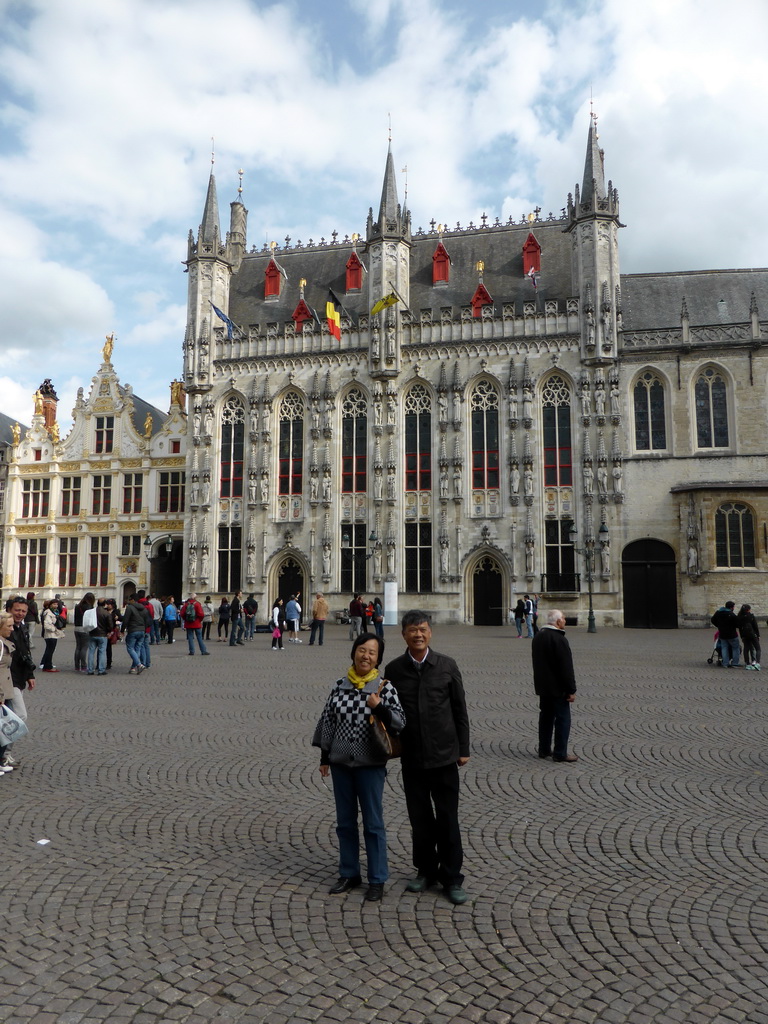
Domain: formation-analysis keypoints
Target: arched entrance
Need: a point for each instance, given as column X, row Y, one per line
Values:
column 487, row 591
column 129, row 589
column 649, row 569
column 290, row 580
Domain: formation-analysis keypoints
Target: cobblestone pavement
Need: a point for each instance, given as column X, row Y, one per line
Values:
column 192, row 845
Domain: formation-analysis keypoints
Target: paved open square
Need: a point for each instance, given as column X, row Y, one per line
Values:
column 191, row 846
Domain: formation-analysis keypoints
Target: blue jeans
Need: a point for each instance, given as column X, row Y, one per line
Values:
column 529, row 624
column 250, row 626
column 554, row 714
column 155, row 634
column 134, row 644
column 363, row 786
column 318, row 627
column 191, row 634
column 237, row 631
column 97, row 652
column 145, row 656
column 730, row 649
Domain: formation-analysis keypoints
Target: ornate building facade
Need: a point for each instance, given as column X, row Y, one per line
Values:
column 103, row 508
column 518, row 416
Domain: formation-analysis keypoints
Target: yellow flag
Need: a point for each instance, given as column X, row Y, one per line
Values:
column 388, row 300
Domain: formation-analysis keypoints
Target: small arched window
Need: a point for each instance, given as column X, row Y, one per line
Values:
column 734, row 535
column 711, row 410
column 650, row 422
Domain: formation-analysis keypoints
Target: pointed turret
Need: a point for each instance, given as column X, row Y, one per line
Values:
column 210, row 230
column 393, row 221
column 594, row 172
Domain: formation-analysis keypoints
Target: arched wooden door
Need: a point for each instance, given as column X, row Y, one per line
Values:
column 487, row 581
column 290, row 577
column 649, row 569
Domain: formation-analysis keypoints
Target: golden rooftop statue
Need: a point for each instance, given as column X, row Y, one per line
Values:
column 148, row 426
column 54, row 432
column 109, row 348
column 16, row 433
column 38, row 403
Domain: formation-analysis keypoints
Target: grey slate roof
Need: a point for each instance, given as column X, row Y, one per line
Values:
column 713, row 297
column 323, row 267
column 140, row 410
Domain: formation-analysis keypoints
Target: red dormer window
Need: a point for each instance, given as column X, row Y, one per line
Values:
column 441, row 265
column 272, row 278
column 479, row 299
column 300, row 314
column 354, row 273
column 531, row 256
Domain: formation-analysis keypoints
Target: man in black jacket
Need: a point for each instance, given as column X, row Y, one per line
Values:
column 726, row 622
column 555, row 684
column 435, row 744
column 22, row 668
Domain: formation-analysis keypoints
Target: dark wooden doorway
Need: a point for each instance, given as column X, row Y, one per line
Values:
column 649, row 569
column 488, row 582
column 290, row 577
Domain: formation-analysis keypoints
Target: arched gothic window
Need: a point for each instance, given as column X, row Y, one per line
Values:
column 291, row 444
column 232, row 443
column 556, row 415
column 650, row 423
column 354, row 442
column 418, row 439
column 734, row 535
column 485, row 435
column 711, row 410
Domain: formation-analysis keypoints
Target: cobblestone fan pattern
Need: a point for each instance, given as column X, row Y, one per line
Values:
column 192, row 845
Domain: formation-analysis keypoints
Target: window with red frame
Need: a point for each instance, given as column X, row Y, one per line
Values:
column 272, row 277
column 485, row 436
column 171, row 492
column 418, row 439
column 556, row 424
column 101, row 494
column 133, row 490
column 291, row 444
column 67, row 561
column 232, row 448
column 70, row 495
column 32, row 559
column 354, row 273
column 441, row 265
column 354, row 443
column 105, row 434
column 35, row 495
column 98, row 570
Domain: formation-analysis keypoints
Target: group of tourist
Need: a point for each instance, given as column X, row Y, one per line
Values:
column 364, row 618
column 733, row 630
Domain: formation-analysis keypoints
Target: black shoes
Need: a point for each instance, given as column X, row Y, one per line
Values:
column 374, row 893
column 568, row 759
column 344, row 885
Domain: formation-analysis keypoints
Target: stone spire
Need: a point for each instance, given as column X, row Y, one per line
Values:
column 393, row 221
column 594, row 172
column 210, row 230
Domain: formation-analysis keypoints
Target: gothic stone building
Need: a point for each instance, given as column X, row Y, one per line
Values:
column 442, row 450
column 101, row 509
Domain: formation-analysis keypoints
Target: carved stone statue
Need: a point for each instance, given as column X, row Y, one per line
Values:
column 252, row 489
column 208, row 421
column 391, row 409
column 205, row 564
column 443, row 483
column 377, row 560
column 527, row 404
column 456, row 406
column 528, row 481
column 314, row 487
column 442, row 405
column 693, row 559
column 377, row 412
column 192, row 563
column 444, row 556
column 38, row 404
column 515, row 476
column 586, row 404
column 605, row 558
column 590, row 328
column 197, row 421
column 54, row 432
column 589, row 479
column 457, row 481
column 16, row 433
column 391, row 484
column 600, row 399
column 148, row 426
column 378, row 482
column 264, row 487
column 390, row 559
column 529, row 557
column 326, row 559
column 616, row 474
column 250, row 567
column 513, row 406
column 177, row 393
column 615, row 395
column 327, row 485
column 602, row 479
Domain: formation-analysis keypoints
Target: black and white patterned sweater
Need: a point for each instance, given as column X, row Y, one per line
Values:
column 344, row 730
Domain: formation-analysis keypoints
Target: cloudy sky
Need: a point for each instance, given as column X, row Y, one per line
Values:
column 107, row 110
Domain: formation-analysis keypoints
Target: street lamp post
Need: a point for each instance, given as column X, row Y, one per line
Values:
column 588, row 551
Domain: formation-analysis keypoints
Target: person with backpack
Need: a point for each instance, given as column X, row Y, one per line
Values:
column 529, row 610
column 250, row 608
column 99, row 623
column 192, row 615
column 53, row 631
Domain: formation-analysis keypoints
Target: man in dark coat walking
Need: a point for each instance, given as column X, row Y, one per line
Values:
column 555, row 684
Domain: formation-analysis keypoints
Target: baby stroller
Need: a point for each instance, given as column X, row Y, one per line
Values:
column 716, row 657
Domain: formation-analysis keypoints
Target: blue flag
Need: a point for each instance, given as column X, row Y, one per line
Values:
column 223, row 316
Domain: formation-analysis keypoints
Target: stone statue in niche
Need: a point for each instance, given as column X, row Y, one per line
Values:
column 457, row 481
column 391, row 484
column 616, row 474
column 327, row 485
column 314, row 486
column 527, row 404
column 252, row 489
column 693, row 559
column 600, row 399
column 528, row 481
column 590, row 328
column 589, row 479
column 605, row 558
column 251, row 563
column 208, row 422
column 602, row 479
column 586, row 404
column 442, row 406
column 529, row 557
column 443, row 483
column 377, row 560
column 264, row 487
column 326, row 559
column 391, row 410
column 205, row 564
column 391, row 558
column 615, row 395
column 444, row 556
column 378, row 483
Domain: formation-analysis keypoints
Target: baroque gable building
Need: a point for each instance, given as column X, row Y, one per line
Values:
column 101, row 509
column 515, row 416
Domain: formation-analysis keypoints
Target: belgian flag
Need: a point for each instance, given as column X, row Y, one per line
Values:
column 334, row 316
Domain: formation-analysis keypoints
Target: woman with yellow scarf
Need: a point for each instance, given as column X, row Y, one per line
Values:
column 345, row 735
